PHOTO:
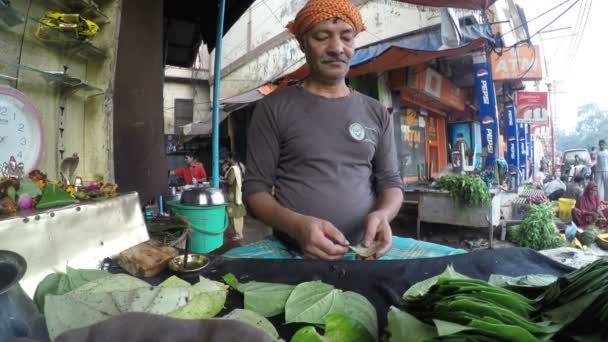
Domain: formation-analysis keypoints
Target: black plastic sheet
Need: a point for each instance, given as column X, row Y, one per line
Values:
column 382, row 282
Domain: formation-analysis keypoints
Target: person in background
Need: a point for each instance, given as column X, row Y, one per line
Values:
column 575, row 189
column 192, row 172
column 578, row 169
column 236, row 209
column 588, row 209
column 539, row 178
column 556, row 188
column 593, row 161
column 601, row 171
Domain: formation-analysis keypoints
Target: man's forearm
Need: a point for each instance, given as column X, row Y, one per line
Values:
column 389, row 201
column 267, row 210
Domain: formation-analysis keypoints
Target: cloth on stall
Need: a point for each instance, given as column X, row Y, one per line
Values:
column 403, row 249
column 140, row 327
column 586, row 211
column 553, row 186
column 316, row 11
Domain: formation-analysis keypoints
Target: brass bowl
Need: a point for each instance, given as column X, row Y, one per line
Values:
column 195, row 263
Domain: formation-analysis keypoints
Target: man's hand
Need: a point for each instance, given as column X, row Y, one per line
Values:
column 378, row 229
column 319, row 239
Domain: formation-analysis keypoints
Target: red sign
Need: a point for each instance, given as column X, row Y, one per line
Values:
column 532, row 107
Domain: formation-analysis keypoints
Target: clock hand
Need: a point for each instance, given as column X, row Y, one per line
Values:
column 2, row 139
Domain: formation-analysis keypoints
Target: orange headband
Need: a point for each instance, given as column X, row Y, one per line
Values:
column 316, row 11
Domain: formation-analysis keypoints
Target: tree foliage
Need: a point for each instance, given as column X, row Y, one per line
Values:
column 592, row 125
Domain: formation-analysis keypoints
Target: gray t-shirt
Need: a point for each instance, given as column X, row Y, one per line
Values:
column 327, row 157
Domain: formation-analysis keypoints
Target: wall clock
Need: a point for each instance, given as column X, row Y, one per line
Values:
column 20, row 129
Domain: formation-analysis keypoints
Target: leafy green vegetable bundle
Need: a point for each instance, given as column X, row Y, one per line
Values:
column 451, row 307
column 538, row 231
column 466, row 190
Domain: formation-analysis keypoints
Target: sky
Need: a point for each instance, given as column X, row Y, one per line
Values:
column 581, row 74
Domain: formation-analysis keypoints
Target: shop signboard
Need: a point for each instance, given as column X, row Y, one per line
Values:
column 523, row 161
column 532, row 107
column 520, row 63
column 512, row 144
column 488, row 119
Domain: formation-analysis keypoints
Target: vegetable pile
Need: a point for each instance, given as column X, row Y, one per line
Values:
column 538, row 231
column 466, row 190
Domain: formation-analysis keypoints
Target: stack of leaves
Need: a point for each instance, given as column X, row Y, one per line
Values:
column 345, row 316
column 538, row 231
column 580, row 300
column 466, row 190
column 112, row 295
column 473, row 310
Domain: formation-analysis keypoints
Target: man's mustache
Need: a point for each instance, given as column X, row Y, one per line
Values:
column 333, row 60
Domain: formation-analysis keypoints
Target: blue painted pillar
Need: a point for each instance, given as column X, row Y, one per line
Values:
column 523, row 158
column 512, row 144
column 486, row 100
column 217, row 69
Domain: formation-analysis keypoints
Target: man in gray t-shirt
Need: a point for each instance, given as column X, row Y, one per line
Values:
column 329, row 151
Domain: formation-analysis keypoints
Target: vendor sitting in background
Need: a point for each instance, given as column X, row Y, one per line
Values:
column 588, row 209
column 575, row 189
column 556, row 188
column 192, row 173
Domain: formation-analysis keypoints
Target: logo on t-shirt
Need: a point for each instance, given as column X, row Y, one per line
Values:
column 357, row 131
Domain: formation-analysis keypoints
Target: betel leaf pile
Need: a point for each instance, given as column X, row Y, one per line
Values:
column 343, row 315
column 531, row 308
column 466, row 190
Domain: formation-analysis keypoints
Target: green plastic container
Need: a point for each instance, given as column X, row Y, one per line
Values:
column 208, row 225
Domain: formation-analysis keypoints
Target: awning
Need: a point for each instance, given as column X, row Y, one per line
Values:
column 202, row 128
column 417, row 48
column 470, row 4
column 189, row 22
column 241, row 100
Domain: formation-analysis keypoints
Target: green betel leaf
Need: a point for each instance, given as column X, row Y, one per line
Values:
column 310, row 303
column 80, row 309
column 421, row 288
column 532, row 280
column 113, row 283
column 174, row 281
column 62, row 283
column 267, row 299
column 252, row 318
column 11, row 193
column 358, row 308
column 207, row 301
column 404, row 327
column 338, row 328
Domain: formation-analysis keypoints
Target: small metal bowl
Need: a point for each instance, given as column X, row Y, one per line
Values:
column 196, row 262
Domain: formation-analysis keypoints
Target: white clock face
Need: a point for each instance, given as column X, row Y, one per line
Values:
column 20, row 131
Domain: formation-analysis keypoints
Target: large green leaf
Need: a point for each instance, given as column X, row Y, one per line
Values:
column 310, row 302
column 445, row 328
column 338, row 328
column 60, row 283
column 254, row 319
column 404, row 327
column 80, row 309
column 313, row 302
column 421, row 288
column 267, row 299
column 117, row 294
column 207, row 301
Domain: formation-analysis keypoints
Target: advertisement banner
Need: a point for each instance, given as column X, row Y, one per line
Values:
column 532, row 107
column 523, row 160
column 521, row 63
column 512, row 144
column 532, row 161
column 486, row 99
